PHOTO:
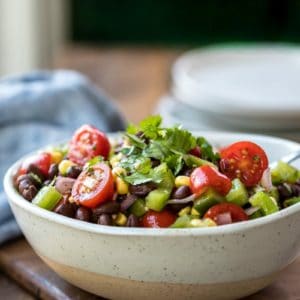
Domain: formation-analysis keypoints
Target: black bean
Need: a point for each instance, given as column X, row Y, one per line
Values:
column 32, row 168
column 64, row 184
column 177, row 207
column 47, row 182
column 28, row 178
column 105, row 219
column 27, row 189
column 110, row 207
column 83, row 214
column 187, row 172
column 74, row 171
column 142, row 190
column 127, row 202
column 132, row 221
column 154, row 162
column 53, row 171
column 121, row 198
column 22, row 177
column 29, row 192
column 285, row 191
column 181, row 192
column 65, row 208
column 295, row 190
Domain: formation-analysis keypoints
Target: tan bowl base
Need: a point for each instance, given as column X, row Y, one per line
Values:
column 118, row 288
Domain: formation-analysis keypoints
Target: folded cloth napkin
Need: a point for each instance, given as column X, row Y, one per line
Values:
column 41, row 108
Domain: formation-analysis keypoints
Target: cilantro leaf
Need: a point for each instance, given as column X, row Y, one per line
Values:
column 136, row 163
column 179, row 140
column 132, row 129
column 207, row 152
column 138, row 178
column 175, row 162
column 160, row 175
column 142, row 165
column 157, row 150
column 193, row 161
column 136, row 141
column 150, row 126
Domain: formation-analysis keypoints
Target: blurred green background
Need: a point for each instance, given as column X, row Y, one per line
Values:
column 179, row 22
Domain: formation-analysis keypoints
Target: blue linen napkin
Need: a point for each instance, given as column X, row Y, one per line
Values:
column 44, row 107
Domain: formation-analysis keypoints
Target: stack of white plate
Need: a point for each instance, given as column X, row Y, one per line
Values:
column 241, row 88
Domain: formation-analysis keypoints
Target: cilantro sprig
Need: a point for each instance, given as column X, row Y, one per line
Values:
column 168, row 145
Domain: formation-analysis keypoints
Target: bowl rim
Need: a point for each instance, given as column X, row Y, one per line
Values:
column 15, row 198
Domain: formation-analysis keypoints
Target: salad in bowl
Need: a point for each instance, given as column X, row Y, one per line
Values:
column 156, row 177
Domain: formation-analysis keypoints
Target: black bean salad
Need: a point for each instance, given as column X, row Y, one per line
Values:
column 156, row 177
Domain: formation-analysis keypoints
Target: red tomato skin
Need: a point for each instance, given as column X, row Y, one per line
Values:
column 102, row 193
column 86, row 143
column 236, row 212
column 244, row 160
column 162, row 219
column 205, row 177
column 41, row 160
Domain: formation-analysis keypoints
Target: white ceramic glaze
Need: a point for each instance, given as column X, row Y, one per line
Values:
column 251, row 86
column 199, row 261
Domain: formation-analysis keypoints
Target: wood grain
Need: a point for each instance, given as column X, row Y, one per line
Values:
column 20, row 263
column 10, row 290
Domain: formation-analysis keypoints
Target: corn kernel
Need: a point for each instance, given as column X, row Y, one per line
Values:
column 209, row 222
column 182, row 180
column 64, row 165
column 56, row 157
column 121, row 219
column 194, row 212
column 122, row 186
column 202, row 223
column 117, row 171
column 184, row 211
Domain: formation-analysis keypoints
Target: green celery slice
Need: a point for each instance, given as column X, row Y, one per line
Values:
column 238, row 193
column 284, row 172
column 207, row 200
column 138, row 208
column 47, row 197
column 182, row 222
column 265, row 202
column 257, row 214
column 291, row 201
column 157, row 199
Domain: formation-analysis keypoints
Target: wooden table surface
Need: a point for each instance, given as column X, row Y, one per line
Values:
column 135, row 78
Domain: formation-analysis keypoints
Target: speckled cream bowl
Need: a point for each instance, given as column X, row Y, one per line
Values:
column 226, row 262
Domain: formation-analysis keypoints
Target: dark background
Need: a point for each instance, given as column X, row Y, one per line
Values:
column 182, row 22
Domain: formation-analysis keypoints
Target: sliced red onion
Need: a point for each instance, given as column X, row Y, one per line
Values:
column 266, row 180
column 251, row 210
column 188, row 199
column 115, row 196
column 224, row 218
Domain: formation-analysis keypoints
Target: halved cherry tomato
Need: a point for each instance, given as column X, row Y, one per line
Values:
column 204, row 177
column 236, row 212
column 94, row 186
column 41, row 161
column 162, row 219
column 88, row 142
column 244, row 160
column 196, row 151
